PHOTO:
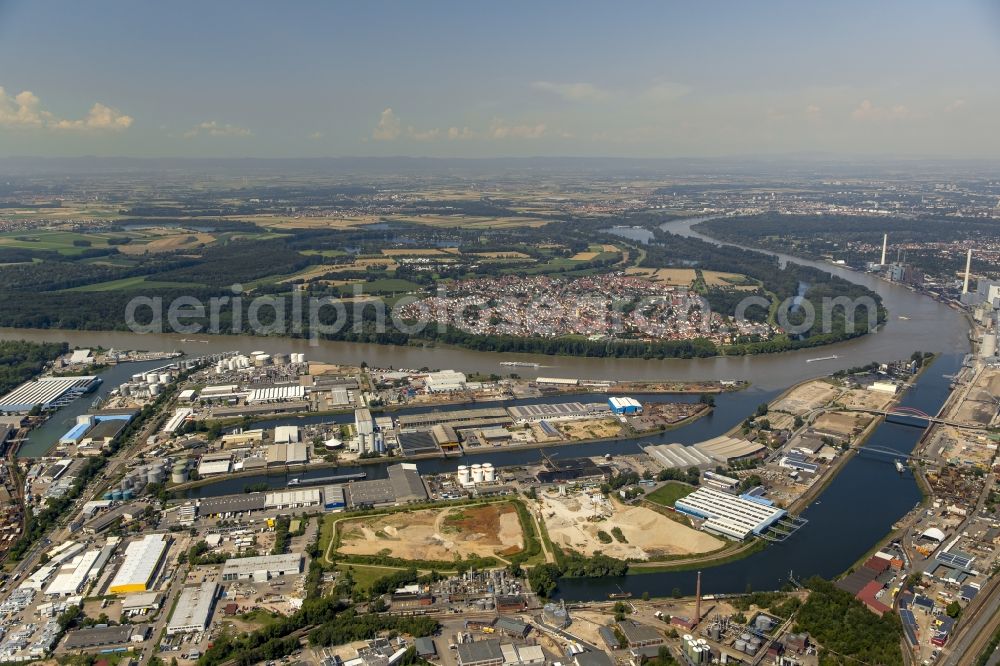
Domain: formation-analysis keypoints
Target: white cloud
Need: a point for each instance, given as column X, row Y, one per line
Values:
column 499, row 129
column 574, row 92
column 957, row 105
column 812, row 110
column 317, row 135
column 101, row 117
column 213, row 128
column 868, row 111
column 24, row 110
column 388, row 127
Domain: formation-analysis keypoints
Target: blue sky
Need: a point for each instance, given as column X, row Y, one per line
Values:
column 645, row 79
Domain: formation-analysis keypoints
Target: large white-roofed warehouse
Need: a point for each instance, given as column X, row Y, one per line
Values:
column 262, row 567
column 729, row 515
column 142, row 558
column 47, row 392
column 194, row 609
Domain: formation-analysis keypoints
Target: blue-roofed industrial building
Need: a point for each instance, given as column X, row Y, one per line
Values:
column 622, row 405
column 87, row 422
column 333, row 498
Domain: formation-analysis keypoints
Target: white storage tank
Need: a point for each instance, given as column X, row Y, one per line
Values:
column 164, row 378
column 489, row 474
column 477, row 473
column 464, row 475
column 152, row 377
column 154, row 389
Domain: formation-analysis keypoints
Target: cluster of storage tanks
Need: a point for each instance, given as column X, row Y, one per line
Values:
column 232, row 363
column 697, row 650
column 470, row 476
column 148, row 382
column 747, row 643
column 137, row 478
column 256, row 359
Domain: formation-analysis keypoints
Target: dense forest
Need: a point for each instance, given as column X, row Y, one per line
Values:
column 847, row 630
column 21, row 360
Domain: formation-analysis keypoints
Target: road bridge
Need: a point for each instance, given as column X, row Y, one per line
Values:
column 916, row 414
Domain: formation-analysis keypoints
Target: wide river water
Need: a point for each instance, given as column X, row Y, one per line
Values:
column 857, row 509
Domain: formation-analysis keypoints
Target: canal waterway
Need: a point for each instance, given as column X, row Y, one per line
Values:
column 42, row 439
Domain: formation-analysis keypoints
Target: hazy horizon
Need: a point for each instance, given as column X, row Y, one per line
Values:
column 449, row 80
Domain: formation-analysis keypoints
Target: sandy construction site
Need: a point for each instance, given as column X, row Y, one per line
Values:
column 431, row 534
column 807, row 397
column 573, row 522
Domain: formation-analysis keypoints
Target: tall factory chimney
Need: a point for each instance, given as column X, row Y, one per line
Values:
column 968, row 269
column 885, row 245
column 697, row 600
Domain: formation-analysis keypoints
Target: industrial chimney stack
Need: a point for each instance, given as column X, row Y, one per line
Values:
column 968, row 269
column 697, row 600
column 885, row 245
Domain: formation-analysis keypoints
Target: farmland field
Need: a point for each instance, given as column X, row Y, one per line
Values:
column 136, row 282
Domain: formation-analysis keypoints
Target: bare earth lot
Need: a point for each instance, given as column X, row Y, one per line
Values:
column 431, row 534
column 807, row 397
column 648, row 534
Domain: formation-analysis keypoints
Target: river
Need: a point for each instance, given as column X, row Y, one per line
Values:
column 857, row 509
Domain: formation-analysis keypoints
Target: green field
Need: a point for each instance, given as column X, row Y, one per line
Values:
column 55, row 241
column 382, row 286
column 137, row 282
column 325, row 253
column 364, row 576
column 670, row 493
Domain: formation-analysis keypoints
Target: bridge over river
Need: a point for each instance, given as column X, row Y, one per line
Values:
column 916, row 414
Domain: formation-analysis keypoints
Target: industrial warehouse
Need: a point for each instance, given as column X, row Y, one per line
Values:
column 194, row 609
column 142, row 559
column 729, row 515
column 47, row 392
column 263, row 567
